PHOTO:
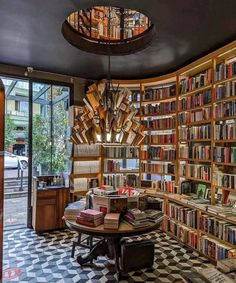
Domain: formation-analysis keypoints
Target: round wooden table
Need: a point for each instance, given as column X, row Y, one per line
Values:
column 109, row 244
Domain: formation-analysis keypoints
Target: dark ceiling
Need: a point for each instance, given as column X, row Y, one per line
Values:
column 30, row 35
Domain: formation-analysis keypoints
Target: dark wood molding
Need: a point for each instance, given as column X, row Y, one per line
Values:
column 101, row 47
column 2, row 118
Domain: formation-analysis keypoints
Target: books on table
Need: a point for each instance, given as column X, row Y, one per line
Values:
column 111, row 221
column 73, row 209
column 90, row 217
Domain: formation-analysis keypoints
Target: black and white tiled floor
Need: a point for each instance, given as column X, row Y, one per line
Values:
column 47, row 258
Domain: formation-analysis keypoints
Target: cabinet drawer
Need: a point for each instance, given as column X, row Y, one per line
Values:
column 45, row 201
column 52, row 194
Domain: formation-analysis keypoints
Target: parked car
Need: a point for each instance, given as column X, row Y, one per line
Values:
column 11, row 160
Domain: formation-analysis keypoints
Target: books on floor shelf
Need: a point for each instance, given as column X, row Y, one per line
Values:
column 184, row 234
column 214, row 249
column 220, row 229
column 186, row 215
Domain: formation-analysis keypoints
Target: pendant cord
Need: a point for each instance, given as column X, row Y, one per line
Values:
column 109, row 49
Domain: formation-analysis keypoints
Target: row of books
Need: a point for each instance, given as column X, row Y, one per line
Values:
column 186, row 215
column 159, row 93
column 86, row 150
column 165, row 186
column 225, row 90
column 116, row 166
column 121, row 152
column 202, row 152
column 84, row 184
column 224, row 180
column 166, row 123
column 214, row 249
column 199, row 80
column 119, row 180
column 225, row 131
column 224, row 154
column 196, row 116
column 86, row 167
column 159, row 153
column 225, row 109
column 135, row 95
column 160, row 139
column 183, row 233
column 157, row 109
column 197, row 171
column 196, row 132
column 196, row 100
column 166, row 168
column 220, row 229
column 225, row 70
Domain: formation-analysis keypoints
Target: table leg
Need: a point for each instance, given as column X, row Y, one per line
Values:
column 100, row 249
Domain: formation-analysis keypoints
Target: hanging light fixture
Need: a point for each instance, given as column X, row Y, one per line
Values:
column 107, row 116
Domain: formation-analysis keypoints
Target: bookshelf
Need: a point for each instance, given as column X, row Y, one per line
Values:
column 190, row 125
column 204, row 127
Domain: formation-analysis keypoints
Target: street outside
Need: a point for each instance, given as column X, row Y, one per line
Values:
column 15, row 202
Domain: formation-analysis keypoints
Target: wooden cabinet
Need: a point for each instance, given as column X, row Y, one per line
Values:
column 48, row 207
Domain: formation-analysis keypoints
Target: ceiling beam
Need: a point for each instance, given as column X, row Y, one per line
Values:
column 10, row 88
column 59, row 98
column 41, row 92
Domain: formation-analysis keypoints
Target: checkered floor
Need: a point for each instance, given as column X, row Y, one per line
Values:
column 47, row 258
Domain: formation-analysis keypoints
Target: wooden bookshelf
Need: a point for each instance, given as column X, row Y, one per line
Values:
column 191, row 70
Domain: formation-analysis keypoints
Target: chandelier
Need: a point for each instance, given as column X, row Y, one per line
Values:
column 107, row 116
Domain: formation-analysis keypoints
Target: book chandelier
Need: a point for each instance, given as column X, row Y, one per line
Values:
column 108, row 118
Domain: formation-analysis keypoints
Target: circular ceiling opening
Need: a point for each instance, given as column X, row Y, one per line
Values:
column 104, row 29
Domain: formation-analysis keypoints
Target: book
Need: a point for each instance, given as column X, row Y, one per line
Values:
column 111, row 221
column 214, row 276
column 227, row 265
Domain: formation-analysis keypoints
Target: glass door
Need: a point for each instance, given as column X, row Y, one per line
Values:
column 16, row 154
column 50, row 121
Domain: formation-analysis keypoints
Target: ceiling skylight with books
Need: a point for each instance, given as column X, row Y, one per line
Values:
column 127, row 29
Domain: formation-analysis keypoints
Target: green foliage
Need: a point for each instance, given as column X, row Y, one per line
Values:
column 9, row 131
column 46, row 152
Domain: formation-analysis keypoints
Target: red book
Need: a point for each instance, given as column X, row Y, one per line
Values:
column 91, row 213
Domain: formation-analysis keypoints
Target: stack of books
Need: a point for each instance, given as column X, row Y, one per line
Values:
column 90, row 217
column 111, row 221
column 153, row 215
column 73, row 209
column 136, row 218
